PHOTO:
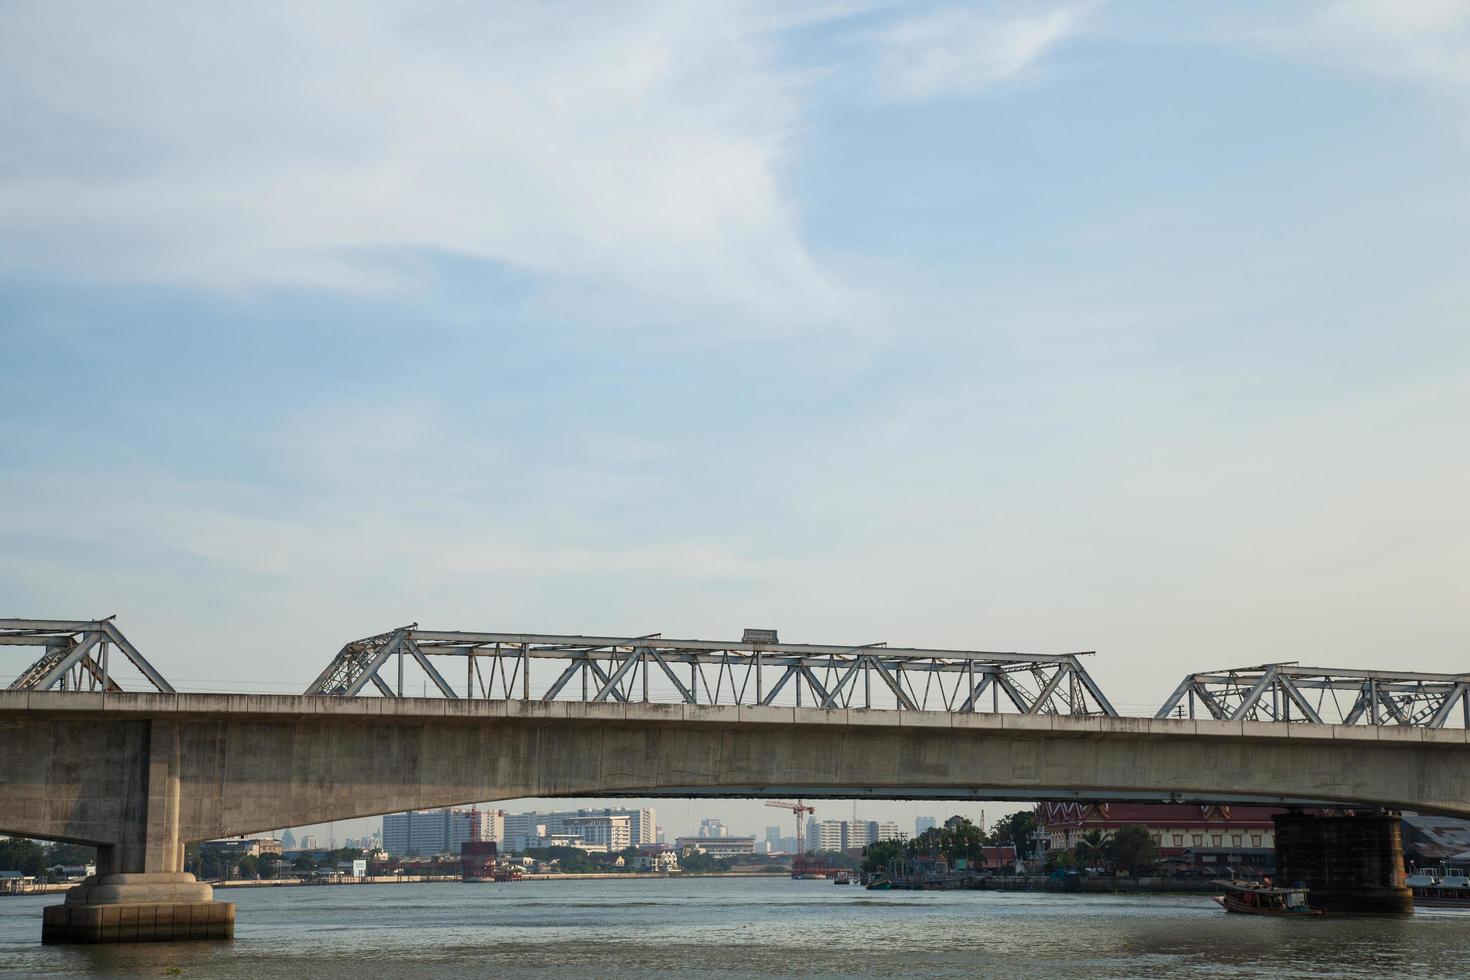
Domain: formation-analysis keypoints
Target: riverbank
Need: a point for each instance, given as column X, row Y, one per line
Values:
column 1023, row 883
column 455, row 879
column 37, row 888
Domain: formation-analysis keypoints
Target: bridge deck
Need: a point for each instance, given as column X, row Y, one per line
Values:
column 438, row 709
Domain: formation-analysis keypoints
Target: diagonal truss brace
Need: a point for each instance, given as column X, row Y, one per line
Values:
column 72, row 645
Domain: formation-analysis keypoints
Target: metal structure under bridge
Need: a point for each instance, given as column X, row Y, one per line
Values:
column 757, row 670
column 1324, row 695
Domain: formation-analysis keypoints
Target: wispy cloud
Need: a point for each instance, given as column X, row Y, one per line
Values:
column 613, row 150
column 963, row 51
column 1427, row 42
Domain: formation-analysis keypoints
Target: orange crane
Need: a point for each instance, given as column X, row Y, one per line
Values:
column 797, row 809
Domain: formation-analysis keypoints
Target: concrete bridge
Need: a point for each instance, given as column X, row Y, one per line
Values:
column 141, row 774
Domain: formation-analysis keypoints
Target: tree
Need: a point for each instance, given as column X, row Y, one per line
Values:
column 963, row 839
column 1133, row 847
column 1061, row 860
column 835, row 859
column 877, row 855
column 1016, row 830
column 1092, row 848
column 71, row 854
column 26, row 856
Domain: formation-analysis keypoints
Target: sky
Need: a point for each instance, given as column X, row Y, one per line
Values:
column 1137, row 328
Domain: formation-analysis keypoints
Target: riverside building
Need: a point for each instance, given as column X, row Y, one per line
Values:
column 1202, row 837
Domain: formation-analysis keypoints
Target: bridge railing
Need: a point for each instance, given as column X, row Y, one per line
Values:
column 1289, row 692
column 549, row 667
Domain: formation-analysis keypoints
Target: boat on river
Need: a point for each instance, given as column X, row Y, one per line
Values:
column 1254, row 898
column 880, row 884
column 841, row 878
column 1440, row 889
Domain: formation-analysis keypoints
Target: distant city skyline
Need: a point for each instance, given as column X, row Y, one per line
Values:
column 681, row 818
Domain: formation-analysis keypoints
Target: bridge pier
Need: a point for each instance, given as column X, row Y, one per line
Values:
column 1349, row 863
column 141, row 892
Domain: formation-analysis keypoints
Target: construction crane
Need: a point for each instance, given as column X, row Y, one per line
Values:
column 797, row 809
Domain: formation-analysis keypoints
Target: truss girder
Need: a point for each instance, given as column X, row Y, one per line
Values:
column 1323, row 695
column 73, row 648
column 713, row 672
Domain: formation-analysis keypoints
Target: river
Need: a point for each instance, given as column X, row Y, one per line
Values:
column 748, row 927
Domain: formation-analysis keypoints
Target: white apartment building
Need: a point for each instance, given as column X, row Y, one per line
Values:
column 602, row 832
column 716, row 846
column 826, row 835
column 518, row 829
column 488, row 825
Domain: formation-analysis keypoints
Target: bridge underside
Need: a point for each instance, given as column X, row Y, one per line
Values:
column 141, row 774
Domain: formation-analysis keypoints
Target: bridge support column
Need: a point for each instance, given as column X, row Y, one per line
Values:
column 140, row 892
column 1349, row 863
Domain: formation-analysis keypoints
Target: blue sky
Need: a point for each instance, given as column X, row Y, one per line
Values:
column 1139, row 328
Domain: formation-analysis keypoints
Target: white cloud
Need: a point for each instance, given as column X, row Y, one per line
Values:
column 617, row 149
column 964, row 51
column 1426, row 41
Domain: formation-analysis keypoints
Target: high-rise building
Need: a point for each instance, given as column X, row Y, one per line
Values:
column 521, row 828
column 888, row 830
column 602, row 831
column 922, row 824
column 642, row 824
column 826, row 835
column 487, row 825
column 713, row 827
column 426, row 832
column 839, row 835
column 288, row 840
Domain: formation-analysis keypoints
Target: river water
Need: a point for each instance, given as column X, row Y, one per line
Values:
column 748, row 927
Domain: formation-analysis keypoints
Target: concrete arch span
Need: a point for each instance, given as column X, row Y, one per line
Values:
column 141, row 774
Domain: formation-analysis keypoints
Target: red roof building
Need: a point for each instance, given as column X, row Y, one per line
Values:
column 1185, row 833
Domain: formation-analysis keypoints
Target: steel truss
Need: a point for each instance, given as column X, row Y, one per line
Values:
column 76, row 655
column 545, row 667
column 1324, row 695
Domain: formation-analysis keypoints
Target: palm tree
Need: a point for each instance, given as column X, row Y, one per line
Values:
column 1091, row 848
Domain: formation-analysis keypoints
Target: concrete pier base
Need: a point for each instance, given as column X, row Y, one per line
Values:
column 138, row 908
column 1349, row 863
